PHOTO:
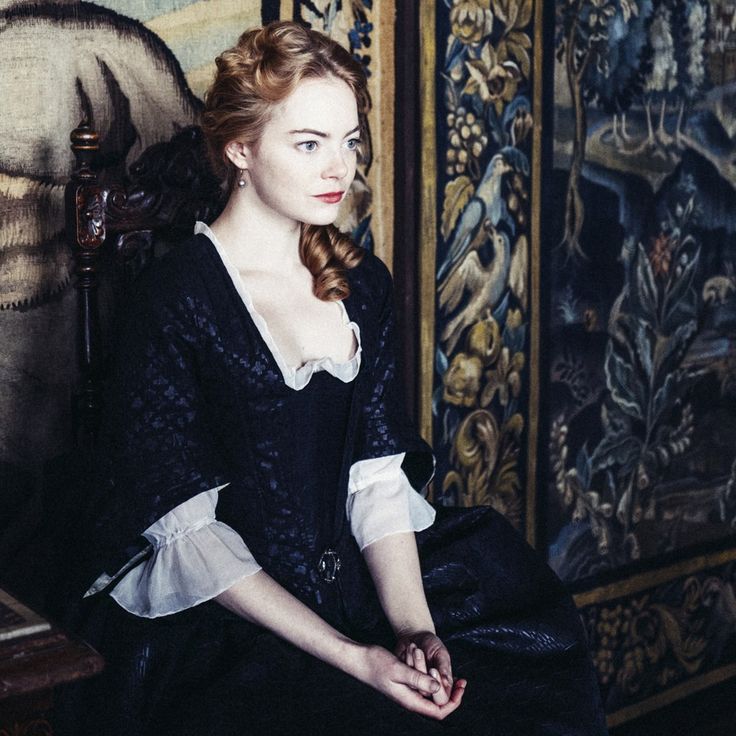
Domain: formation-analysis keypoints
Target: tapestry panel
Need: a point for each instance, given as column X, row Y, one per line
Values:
column 479, row 313
column 641, row 232
column 618, row 342
column 640, row 429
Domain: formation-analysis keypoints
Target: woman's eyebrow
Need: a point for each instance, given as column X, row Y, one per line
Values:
column 311, row 131
column 320, row 133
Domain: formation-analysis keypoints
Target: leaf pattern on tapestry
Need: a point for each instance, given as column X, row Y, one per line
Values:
column 646, row 418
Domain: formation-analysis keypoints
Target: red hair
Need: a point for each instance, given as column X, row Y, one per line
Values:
column 262, row 69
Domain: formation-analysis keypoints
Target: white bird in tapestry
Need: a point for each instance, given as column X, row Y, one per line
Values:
column 487, row 203
column 467, row 268
column 485, row 284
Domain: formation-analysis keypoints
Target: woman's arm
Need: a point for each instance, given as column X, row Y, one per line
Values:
column 261, row 600
column 393, row 562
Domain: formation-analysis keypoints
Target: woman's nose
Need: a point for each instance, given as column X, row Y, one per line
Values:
column 336, row 167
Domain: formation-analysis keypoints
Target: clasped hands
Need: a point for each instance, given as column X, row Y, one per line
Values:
column 425, row 653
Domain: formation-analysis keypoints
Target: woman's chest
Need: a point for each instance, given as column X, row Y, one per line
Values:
column 302, row 327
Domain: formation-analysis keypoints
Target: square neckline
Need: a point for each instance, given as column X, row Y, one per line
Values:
column 297, row 377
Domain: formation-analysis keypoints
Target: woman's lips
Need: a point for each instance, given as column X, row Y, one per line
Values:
column 330, row 197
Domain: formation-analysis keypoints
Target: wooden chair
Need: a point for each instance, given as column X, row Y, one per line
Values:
column 115, row 229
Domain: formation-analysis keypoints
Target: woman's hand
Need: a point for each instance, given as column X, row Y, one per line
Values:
column 425, row 652
column 260, row 599
column 393, row 562
column 409, row 686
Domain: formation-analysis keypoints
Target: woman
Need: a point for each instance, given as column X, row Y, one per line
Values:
column 253, row 437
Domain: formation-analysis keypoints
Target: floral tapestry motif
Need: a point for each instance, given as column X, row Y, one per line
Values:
column 482, row 277
column 642, row 241
column 660, row 637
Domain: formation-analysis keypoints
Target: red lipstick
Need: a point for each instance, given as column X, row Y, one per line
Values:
column 330, row 197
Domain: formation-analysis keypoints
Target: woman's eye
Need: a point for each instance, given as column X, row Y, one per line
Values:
column 353, row 144
column 307, row 146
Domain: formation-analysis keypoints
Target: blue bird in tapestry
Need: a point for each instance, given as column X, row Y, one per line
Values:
column 469, row 268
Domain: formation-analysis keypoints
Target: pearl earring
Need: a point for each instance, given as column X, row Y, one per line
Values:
column 242, row 183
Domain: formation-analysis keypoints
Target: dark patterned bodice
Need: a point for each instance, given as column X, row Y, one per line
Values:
column 293, row 513
column 197, row 400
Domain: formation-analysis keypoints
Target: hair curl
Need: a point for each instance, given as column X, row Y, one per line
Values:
column 262, row 69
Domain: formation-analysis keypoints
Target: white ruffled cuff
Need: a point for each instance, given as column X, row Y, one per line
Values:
column 381, row 501
column 195, row 557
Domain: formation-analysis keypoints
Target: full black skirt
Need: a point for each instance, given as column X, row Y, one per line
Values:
column 511, row 629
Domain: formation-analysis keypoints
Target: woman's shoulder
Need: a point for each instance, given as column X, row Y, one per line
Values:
column 173, row 285
column 177, row 272
column 371, row 277
column 177, row 262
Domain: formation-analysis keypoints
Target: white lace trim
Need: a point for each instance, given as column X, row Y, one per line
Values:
column 382, row 501
column 294, row 377
column 195, row 558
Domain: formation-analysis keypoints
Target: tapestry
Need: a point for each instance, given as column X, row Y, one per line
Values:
column 640, row 234
column 579, row 311
column 479, row 315
column 137, row 70
column 643, row 386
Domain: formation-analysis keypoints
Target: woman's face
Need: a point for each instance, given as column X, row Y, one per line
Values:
column 303, row 164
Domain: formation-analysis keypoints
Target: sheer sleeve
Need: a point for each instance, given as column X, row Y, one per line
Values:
column 382, row 501
column 195, row 557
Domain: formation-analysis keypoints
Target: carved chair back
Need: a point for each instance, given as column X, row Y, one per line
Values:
column 115, row 225
column 115, row 228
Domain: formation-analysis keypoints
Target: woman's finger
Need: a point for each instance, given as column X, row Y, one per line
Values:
column 420, row 661
column 419, row 681
column 456, row 697
column 458, row 690
column 433, row 710
column 442, row 696
column 443, row 663
column 412, row 700
column 408, row 656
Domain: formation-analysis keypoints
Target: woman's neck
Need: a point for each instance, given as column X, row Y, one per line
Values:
column 255, row 238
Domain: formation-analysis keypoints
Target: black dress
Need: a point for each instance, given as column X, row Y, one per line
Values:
column 197, row 401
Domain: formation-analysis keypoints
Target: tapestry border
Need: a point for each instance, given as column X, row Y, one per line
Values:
column 667, row 697
column 623, row 594
column 428, row 222
column 653, row 578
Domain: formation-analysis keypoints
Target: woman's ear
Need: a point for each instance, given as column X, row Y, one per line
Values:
column 237, row 153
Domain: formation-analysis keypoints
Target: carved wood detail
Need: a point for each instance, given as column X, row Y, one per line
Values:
column 165, row 191
column 91, row 202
